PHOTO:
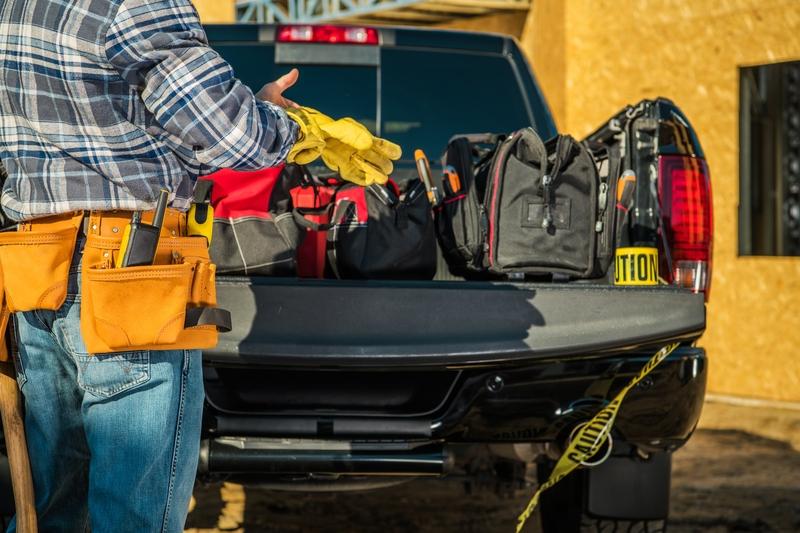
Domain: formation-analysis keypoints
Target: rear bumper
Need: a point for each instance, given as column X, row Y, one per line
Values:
column 383, row 323
column 539, row 402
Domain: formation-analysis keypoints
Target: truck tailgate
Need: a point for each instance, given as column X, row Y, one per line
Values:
column 400, row 323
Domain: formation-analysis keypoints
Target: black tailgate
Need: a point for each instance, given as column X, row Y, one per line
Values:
column 289, row 321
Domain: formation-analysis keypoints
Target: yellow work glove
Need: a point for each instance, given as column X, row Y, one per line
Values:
column 362, row 167
column 311, row 139
column 346, row 147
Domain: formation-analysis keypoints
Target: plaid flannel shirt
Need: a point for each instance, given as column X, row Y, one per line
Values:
column 105, row 102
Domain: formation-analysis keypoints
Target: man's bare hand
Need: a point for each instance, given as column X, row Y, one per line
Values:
column 273, row 91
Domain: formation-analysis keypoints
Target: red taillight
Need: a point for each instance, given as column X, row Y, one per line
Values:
column 684, row 192
column 327, row 34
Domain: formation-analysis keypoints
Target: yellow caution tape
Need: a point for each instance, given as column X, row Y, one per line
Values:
column 636, row 265
column 591, row 436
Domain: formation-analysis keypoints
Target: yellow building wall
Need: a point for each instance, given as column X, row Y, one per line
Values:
column 511, row 23
column 594, row 56
column 216, row 11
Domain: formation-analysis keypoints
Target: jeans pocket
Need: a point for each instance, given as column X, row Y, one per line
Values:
column 22, row 379
column 107, row 375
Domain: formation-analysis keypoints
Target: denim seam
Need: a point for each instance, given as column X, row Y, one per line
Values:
column 140, row 358
column 176, row 447
column 108, row 393
column 37, row 315
column 67, row 341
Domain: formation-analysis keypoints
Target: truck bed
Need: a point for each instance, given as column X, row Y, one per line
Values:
column 279, row 321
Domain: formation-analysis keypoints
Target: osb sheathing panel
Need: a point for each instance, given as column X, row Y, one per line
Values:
column 544, row 40
column 507, row 23
column 215, row 11
column 620, row 51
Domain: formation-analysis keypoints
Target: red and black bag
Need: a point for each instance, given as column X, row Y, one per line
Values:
column 312, row 200
column 255, row 232
column 374, row 232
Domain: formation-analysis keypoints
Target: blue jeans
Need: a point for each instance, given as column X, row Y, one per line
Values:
column 113, row 439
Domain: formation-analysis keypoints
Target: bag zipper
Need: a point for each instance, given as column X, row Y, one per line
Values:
column 547, row 219
column 602, row 200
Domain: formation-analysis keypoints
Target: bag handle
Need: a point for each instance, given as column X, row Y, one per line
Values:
column 531, row 149
column 564, row 145
column 479, row 138
column 300, row 213
column 331, row 238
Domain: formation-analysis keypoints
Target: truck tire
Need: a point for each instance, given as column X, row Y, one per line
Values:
column 564, row 509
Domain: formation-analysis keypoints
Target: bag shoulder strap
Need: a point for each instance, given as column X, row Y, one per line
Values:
column 341, row 209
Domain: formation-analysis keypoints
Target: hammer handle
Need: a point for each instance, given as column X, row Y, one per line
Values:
column 18, row 461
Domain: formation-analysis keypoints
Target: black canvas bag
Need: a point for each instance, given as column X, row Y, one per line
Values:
column 396, row 242
column 376, row 232
column 461, row 224
column 543, row 208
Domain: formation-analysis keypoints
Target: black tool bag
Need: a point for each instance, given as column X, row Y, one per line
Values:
column 395, row 241
column 460, row 219
column 525, row 207
column 376, row 232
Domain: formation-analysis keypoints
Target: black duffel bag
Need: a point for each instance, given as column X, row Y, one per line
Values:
column 377, row 232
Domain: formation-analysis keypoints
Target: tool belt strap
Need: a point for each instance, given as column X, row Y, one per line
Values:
column 208, row 316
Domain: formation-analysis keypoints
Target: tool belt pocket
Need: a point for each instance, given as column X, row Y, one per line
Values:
column 139, row 306
column 35, row 268
column 158, row 307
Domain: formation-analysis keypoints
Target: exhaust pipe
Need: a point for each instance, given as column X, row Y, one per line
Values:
column 228, row 455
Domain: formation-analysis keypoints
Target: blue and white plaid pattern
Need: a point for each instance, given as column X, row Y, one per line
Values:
column 105, row 102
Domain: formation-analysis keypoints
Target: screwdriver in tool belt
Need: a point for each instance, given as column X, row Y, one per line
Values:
column 424, row 170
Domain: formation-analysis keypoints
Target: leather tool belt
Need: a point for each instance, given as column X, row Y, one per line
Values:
column 169, row 305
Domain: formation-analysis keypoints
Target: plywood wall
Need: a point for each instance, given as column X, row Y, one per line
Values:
column 511, row 23
column 594, row 56
column 215, row 11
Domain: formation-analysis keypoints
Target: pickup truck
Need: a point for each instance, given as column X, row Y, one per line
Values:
column 327, row 385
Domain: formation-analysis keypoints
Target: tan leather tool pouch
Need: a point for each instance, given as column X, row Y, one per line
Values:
column 35, row 261
column 145, row 307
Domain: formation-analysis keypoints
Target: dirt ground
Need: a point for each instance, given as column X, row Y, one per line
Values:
column 739, row 473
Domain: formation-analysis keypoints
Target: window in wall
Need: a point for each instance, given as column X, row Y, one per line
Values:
column 769, row 160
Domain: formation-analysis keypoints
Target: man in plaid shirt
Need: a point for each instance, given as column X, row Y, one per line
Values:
column 102, row 104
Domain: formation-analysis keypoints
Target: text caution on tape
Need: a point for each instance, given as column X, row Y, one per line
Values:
column 636, row 266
